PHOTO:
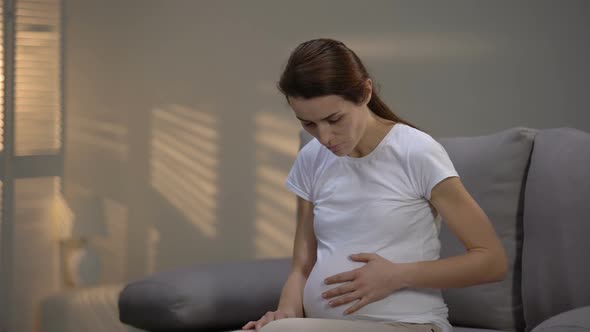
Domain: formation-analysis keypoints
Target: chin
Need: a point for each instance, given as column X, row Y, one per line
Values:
column 340, row 153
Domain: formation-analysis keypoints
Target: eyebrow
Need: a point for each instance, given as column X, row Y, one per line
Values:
column 326, row 118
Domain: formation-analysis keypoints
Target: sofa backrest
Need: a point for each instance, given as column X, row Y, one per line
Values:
column 493, row 168
column 556, row 248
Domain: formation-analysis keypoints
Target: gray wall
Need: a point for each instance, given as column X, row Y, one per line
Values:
column 174, row 120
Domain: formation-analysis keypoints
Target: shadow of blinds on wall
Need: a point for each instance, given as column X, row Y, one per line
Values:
column 184, row 163
column 276, row 149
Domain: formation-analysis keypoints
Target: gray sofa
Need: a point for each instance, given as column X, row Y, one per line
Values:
column 533, row 184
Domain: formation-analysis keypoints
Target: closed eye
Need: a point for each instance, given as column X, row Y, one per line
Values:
column 333, row 121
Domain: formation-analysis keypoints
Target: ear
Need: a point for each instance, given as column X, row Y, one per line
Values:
column 368, row 91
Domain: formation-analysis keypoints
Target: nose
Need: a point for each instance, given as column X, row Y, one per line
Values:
column 324, row 134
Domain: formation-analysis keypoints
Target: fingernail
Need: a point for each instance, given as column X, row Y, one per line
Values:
column 324, row 295
column 331, row 304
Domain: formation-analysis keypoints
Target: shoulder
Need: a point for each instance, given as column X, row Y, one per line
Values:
column 427, row 162
column 415, row 142
column 313, row 153
column 423, row 154
column 311, row 150
column 311, row 147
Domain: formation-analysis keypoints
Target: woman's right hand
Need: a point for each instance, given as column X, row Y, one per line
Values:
column 267, row 318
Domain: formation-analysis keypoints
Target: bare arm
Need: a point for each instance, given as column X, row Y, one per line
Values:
column 304, row 258
column 484, row 260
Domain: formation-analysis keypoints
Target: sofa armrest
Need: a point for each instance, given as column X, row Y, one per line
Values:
column 205, row 297
column 576, row 320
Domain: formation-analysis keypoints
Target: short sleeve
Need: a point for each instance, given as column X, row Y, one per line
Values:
column 300, row 176
column 429, row 164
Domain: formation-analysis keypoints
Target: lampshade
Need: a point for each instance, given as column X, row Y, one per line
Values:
column 79, row 217
column 63, row 217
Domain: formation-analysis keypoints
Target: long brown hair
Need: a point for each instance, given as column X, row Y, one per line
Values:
column 322, row 67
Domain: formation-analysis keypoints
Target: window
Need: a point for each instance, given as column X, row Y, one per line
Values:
column 31, row 155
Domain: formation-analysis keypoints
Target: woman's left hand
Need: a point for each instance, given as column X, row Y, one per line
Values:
column 374, row 281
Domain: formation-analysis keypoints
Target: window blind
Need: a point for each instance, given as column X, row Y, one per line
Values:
column 37, row 77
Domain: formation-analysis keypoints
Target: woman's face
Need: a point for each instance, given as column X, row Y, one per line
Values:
column 337, row 123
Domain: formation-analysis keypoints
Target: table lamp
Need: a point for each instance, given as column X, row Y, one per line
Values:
column 77, row 221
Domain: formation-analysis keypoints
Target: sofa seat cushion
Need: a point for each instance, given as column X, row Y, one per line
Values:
column 576, row 320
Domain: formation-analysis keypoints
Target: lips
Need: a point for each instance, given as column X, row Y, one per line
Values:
column 336, row 147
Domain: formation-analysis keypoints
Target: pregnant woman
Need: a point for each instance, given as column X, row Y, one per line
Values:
column 372, row 190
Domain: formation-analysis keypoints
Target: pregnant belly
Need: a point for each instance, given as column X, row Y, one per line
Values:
column 402, row 303
column 316, row 306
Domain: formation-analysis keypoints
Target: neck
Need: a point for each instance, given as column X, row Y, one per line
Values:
column 375, row 130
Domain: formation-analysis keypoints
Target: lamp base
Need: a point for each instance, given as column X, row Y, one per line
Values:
column 80, row 265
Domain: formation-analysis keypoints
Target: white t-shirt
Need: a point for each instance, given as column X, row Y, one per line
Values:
column 374, row 204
